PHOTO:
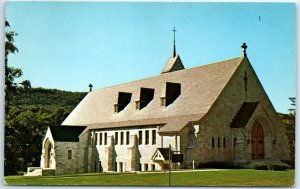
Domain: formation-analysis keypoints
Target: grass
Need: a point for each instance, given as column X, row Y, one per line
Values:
column 238, row 177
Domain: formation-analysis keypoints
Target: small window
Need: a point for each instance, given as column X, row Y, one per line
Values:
column 153, row 136
column 105, row 138
column 69, row 154
column 100, row 167
column 218, row 142
column 224, row 142
column 153, row 167
column 122, row 138
column 116, row 138
column 121, row 167
column 140, row 137
column 140, row 167
column 116, row 166
column 146, row 167
column 96, row 139
column 234, row 142
column 212, row 142
column 100, row 138
column 147, row 137
column 127, row 137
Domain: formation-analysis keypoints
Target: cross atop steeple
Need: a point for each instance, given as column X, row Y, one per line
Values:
column 244, row 46
column 174, row 49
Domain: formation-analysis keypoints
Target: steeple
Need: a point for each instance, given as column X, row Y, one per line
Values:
column 174, row 63
column 174, row 48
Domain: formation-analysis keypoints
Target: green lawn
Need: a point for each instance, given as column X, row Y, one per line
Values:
column 239, row 177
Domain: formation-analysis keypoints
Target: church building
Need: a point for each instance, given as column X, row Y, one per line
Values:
column 217, row 112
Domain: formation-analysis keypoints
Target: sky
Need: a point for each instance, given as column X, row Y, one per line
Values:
column 68, row 45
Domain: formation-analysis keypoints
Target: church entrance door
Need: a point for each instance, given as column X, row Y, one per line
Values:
column 257, row 141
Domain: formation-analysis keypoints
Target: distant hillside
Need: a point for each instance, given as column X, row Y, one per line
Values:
column 49, row 99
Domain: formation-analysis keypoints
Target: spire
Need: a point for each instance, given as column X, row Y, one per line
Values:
column 174, row 48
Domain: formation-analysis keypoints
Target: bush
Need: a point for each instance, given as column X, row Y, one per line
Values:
column 290, row 163
column 279, row 167
column 261, row 166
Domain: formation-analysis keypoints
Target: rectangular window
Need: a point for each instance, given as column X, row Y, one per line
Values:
column 146, row 167
column 140, row 137
column 147, row 137
column 116, row 166
column 116, row 138
column 122, row 138
column 121, row 167
column 100, row 138
column 212, row 142
column 224, row 142
column 140, row 167
column 153, row 136
column 127, row 137
column 69, row 154
column 96, row 139
column 100, row 167
column 234, row 142
column 105, row 138
column 218, row 142
column 153, row 167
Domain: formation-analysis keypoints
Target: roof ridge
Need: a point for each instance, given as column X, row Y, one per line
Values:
column 168, row 73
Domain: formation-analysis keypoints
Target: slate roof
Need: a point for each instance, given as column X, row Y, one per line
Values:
column 66, row 133
column 200, row 87
column 244, row 114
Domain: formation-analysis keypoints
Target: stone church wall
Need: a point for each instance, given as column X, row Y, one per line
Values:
column 215, row 125
column 65, row 164
column 124, row 157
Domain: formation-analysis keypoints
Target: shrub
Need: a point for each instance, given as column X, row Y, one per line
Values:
column 261, row 166
column 290, row 163
column 279, row 167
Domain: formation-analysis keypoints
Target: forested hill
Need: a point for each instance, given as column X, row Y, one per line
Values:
column 29, row 113
column 50, row 99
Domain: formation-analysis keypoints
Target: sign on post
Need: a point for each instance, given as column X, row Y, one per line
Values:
column 177, row 158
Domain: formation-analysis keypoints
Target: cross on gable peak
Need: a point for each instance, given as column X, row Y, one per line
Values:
column 244, row 46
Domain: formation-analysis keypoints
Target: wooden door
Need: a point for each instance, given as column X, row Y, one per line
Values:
column 257, row 141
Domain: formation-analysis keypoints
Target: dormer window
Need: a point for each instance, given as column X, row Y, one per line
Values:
column 173, row 91
column 123, row 101
column 146, row 95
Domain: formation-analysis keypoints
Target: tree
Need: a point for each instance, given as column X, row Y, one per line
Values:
column 291, row 127
column 26, row 84
column 289, row 121
column 12, row 73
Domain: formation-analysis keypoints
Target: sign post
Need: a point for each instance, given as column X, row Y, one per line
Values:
column 170, row 162
column 177, row 158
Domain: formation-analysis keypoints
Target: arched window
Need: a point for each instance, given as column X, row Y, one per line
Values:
column 47, row 147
